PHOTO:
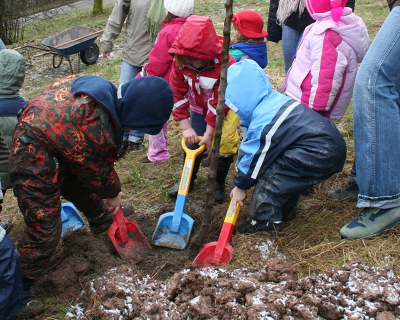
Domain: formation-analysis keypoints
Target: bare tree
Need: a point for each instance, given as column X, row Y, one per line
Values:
column 97, row 7
column 198, row 240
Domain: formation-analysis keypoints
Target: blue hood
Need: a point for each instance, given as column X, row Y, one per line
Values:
column 257, row 52
column 143, row 104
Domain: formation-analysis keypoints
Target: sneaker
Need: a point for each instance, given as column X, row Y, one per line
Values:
column 254, row 226
column 135, row 146
column 347, row 193
column 371, row 222
column 103, row 222
column 30, row 306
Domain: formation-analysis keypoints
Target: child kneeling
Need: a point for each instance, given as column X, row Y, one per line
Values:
column 288, row 148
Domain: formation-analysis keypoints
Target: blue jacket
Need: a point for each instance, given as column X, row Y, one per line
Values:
column 276, row 123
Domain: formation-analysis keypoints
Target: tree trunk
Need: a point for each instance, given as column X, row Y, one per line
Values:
column 198, row 240
column 97, row 7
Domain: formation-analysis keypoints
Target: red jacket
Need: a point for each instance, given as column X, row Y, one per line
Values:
column 160, row 62
column 193, row 89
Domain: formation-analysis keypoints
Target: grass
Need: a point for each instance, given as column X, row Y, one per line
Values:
column 312, row 240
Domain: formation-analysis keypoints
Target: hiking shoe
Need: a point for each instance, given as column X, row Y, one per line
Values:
column 122, row 150
column 104, row 220
column 254, row 226
column 371, row 222
column 349, row 192
column 135, row 146
column 31, row 307
column 288, row 213
column 173, row 191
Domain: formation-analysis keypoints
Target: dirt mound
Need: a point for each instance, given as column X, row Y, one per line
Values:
column 356, row 291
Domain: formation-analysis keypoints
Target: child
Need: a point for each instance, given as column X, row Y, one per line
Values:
column 10, row 278
column 323, row 73
column 65, row 144
column 288, row 148
column 160, row 64
column 248, row 41
column 12, row 76
column 195, row 81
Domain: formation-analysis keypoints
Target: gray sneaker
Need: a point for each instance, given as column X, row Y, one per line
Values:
column 371, row 222
column 349, row 192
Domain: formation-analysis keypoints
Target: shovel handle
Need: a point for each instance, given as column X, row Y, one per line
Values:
column 227, row 229
column 188, row 166
column 122, row 231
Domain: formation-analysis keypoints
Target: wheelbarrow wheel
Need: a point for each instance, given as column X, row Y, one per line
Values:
column 90, row 55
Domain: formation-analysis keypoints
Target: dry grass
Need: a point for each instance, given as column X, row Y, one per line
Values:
column 311, row 240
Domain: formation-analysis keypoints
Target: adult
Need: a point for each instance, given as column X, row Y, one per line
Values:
column 65, row 144
column 287, row 20
column 376, row 113
column 136, row 48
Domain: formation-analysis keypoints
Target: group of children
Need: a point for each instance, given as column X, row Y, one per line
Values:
column 289, row 143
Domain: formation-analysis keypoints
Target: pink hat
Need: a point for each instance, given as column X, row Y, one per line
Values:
column 321, row 6
column 250, row 24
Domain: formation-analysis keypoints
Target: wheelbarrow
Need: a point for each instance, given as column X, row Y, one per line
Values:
column 219, row 253
column 173, row 228
column 75, row 40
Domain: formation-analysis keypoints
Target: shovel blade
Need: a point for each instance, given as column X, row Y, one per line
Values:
column 70, row 217
column 136, row 245
column 207, row 257
column 166, row 237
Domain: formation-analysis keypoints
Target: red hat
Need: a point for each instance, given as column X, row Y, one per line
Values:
column 250, row 24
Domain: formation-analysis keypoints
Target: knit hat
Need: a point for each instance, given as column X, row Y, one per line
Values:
column 144, row 104
column 250, row 24
column 321, row 6
column 12, row 72
column 179, row 8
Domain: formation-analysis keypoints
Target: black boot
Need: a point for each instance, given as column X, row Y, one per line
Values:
column 100, row 219
column 173, row 191
column 224, row 164
column 31, row 307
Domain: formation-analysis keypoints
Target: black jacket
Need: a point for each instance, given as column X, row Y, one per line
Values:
column 294, row 21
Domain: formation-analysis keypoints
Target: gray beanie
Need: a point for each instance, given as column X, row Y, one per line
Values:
column 179, row 8
column 12, row 72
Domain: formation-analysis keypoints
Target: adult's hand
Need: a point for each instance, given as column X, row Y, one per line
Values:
column 105, row 54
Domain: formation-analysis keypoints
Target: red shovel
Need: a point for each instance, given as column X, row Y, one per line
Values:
column 220, row 253
column 127, row 238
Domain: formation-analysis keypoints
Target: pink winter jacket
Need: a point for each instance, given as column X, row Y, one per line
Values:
column 322, row 75
column 160, row 61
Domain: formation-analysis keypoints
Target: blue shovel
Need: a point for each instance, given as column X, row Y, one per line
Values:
column 70, row 217
column 173, row 228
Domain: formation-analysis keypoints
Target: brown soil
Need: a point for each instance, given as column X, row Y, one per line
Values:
column 164, row 285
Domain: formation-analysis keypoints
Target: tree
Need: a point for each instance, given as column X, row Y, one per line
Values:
column 97, row 7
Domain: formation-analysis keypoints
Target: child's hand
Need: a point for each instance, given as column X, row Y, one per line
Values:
column 238, row 195
column 190, row 135
column 113, row 204
column 206, row 140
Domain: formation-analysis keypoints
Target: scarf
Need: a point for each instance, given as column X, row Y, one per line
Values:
column 287, row 7
column 155, row 16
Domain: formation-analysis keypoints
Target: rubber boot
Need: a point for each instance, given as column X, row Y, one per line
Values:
column 173, row 191
column 224, row 163
column 31, row 306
